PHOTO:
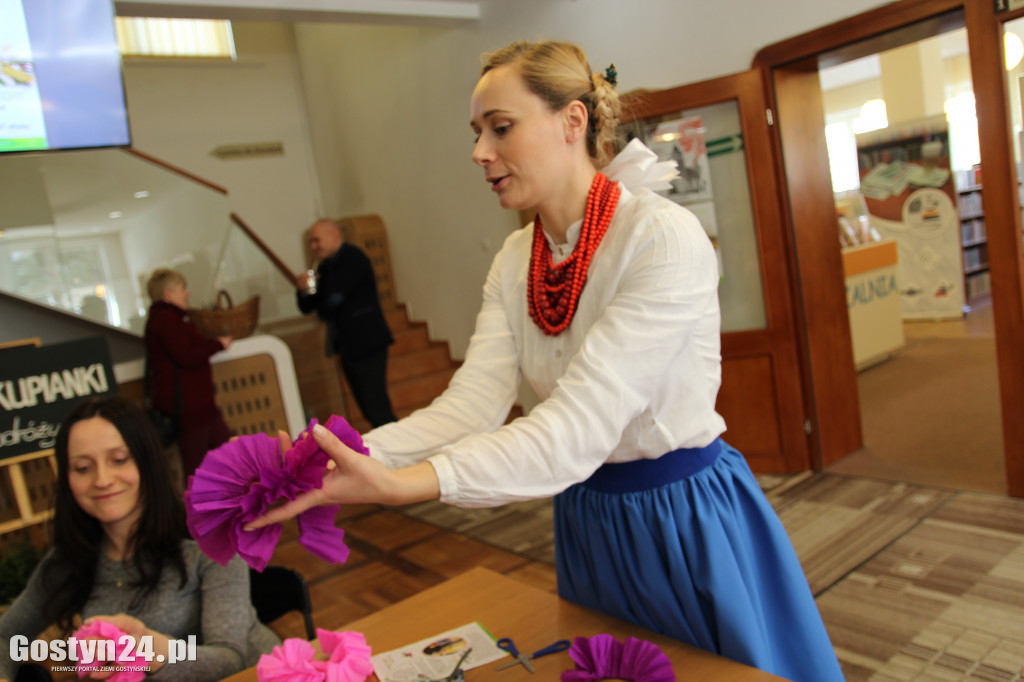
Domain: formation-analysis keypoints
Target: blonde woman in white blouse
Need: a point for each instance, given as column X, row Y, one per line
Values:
column 607, row 305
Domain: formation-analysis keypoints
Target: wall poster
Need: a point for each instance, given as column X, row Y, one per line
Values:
column 908, row 189
column 683, row 140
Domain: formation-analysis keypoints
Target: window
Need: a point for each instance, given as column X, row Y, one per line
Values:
column 182, row 38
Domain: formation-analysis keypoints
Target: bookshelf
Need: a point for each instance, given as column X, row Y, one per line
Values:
column 974, row 242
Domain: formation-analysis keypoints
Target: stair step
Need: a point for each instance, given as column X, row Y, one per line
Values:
column 419, row 368
column 397, row 318
column 402, row 366
column 420, row 390
column 307, row 341
column 403, row 363
column 362, row 426
column 415, row 392
column 413, row 338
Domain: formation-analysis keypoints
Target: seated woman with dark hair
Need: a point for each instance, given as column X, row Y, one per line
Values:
column 121, row 553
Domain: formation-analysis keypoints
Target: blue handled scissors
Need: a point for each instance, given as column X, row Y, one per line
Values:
column 506, row 644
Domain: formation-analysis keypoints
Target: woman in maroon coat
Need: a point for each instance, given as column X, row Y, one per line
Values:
column 175, row 347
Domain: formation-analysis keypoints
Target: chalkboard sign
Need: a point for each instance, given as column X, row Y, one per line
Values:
column 40, row 384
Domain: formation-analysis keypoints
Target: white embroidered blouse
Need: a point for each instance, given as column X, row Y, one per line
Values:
column 634, row 376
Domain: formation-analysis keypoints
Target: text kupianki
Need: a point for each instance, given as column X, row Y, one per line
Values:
column 16, row 394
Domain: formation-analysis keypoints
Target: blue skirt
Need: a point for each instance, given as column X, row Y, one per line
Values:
column 687, row 545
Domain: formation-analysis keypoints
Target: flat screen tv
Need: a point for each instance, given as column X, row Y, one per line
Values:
column 60, row 76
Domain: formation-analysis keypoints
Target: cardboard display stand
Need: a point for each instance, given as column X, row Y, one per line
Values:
column 873, row 300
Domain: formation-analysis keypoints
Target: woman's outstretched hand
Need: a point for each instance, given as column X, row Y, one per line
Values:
column 355, row 479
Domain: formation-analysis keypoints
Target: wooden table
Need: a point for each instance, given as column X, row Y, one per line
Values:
column 533, row 618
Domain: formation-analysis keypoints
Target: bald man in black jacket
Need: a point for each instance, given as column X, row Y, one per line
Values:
column 346, row 300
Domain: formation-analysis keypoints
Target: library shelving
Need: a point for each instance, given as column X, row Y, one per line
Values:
column 974, row 241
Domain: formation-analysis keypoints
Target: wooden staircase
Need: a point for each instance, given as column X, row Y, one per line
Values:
column 419, row 368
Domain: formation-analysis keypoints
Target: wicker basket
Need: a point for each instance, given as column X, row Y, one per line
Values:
column 227, row 320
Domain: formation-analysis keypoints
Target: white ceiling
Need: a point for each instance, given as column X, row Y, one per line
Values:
column 361, row 11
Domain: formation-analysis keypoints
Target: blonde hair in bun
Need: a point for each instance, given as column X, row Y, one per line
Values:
column 559, row 73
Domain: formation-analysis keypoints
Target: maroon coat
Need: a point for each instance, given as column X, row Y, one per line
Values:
column 171, row 339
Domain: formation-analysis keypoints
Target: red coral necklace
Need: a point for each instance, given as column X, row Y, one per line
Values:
column 553, row 291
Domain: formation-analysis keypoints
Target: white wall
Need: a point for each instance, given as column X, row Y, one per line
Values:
column 388, row 112
column 180, row 112
column 393, row 138
column 389, row 109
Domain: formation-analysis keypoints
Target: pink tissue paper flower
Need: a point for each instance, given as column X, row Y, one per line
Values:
column 94, row 655
column 603, row 656
column 348, row 659
column 243, row 478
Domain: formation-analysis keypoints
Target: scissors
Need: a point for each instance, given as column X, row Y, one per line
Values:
column 506, row 644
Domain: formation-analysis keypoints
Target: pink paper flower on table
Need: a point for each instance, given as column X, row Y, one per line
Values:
column 292, row 661
column 94, row 655
column 348, row 656
column 348, row 660
column 243, row 478
column 603, row 656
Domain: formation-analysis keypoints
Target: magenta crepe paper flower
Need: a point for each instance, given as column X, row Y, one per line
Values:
column 348, row 659
column 603, row 656
column 91, row 661
column 241, row 479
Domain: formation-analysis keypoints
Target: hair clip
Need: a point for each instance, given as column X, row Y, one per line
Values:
column 612, row 76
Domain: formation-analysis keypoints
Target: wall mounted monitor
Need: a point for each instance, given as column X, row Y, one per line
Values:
column 60, row 76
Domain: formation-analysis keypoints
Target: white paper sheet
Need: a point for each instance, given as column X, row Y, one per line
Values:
column 434, row 658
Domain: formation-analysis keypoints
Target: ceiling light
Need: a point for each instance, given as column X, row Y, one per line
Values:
column 1014, row 49
column 114, row 215
column 872, row 117
column 141, row 194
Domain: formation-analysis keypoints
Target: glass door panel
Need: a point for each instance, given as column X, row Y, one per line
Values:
column 707, row 143
column 719, row 133
column 1013, row 47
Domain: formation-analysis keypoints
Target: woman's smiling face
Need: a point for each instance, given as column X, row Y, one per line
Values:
column 519, row 139
column 102, row 473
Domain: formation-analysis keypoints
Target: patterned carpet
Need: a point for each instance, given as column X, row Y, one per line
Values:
column 914, row 583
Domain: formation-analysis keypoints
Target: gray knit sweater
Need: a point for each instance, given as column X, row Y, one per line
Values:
column 214, row 605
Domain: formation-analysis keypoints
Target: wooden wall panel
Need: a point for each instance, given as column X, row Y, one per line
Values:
column 747, row 401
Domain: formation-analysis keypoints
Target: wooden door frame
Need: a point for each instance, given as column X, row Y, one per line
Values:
column 771, row 427
column 787, row 69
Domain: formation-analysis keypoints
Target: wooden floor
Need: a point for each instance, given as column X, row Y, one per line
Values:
column 393, row 556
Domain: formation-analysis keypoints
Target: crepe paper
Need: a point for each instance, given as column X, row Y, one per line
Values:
column 243, row 478
column 295, row 660
column 95, row 657
column 291, row 661
column 602, row 656
column 348, row 656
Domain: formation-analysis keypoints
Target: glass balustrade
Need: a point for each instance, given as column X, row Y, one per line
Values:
column 81, row 232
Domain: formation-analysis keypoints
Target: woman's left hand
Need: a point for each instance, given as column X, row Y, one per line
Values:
column 355, row 479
